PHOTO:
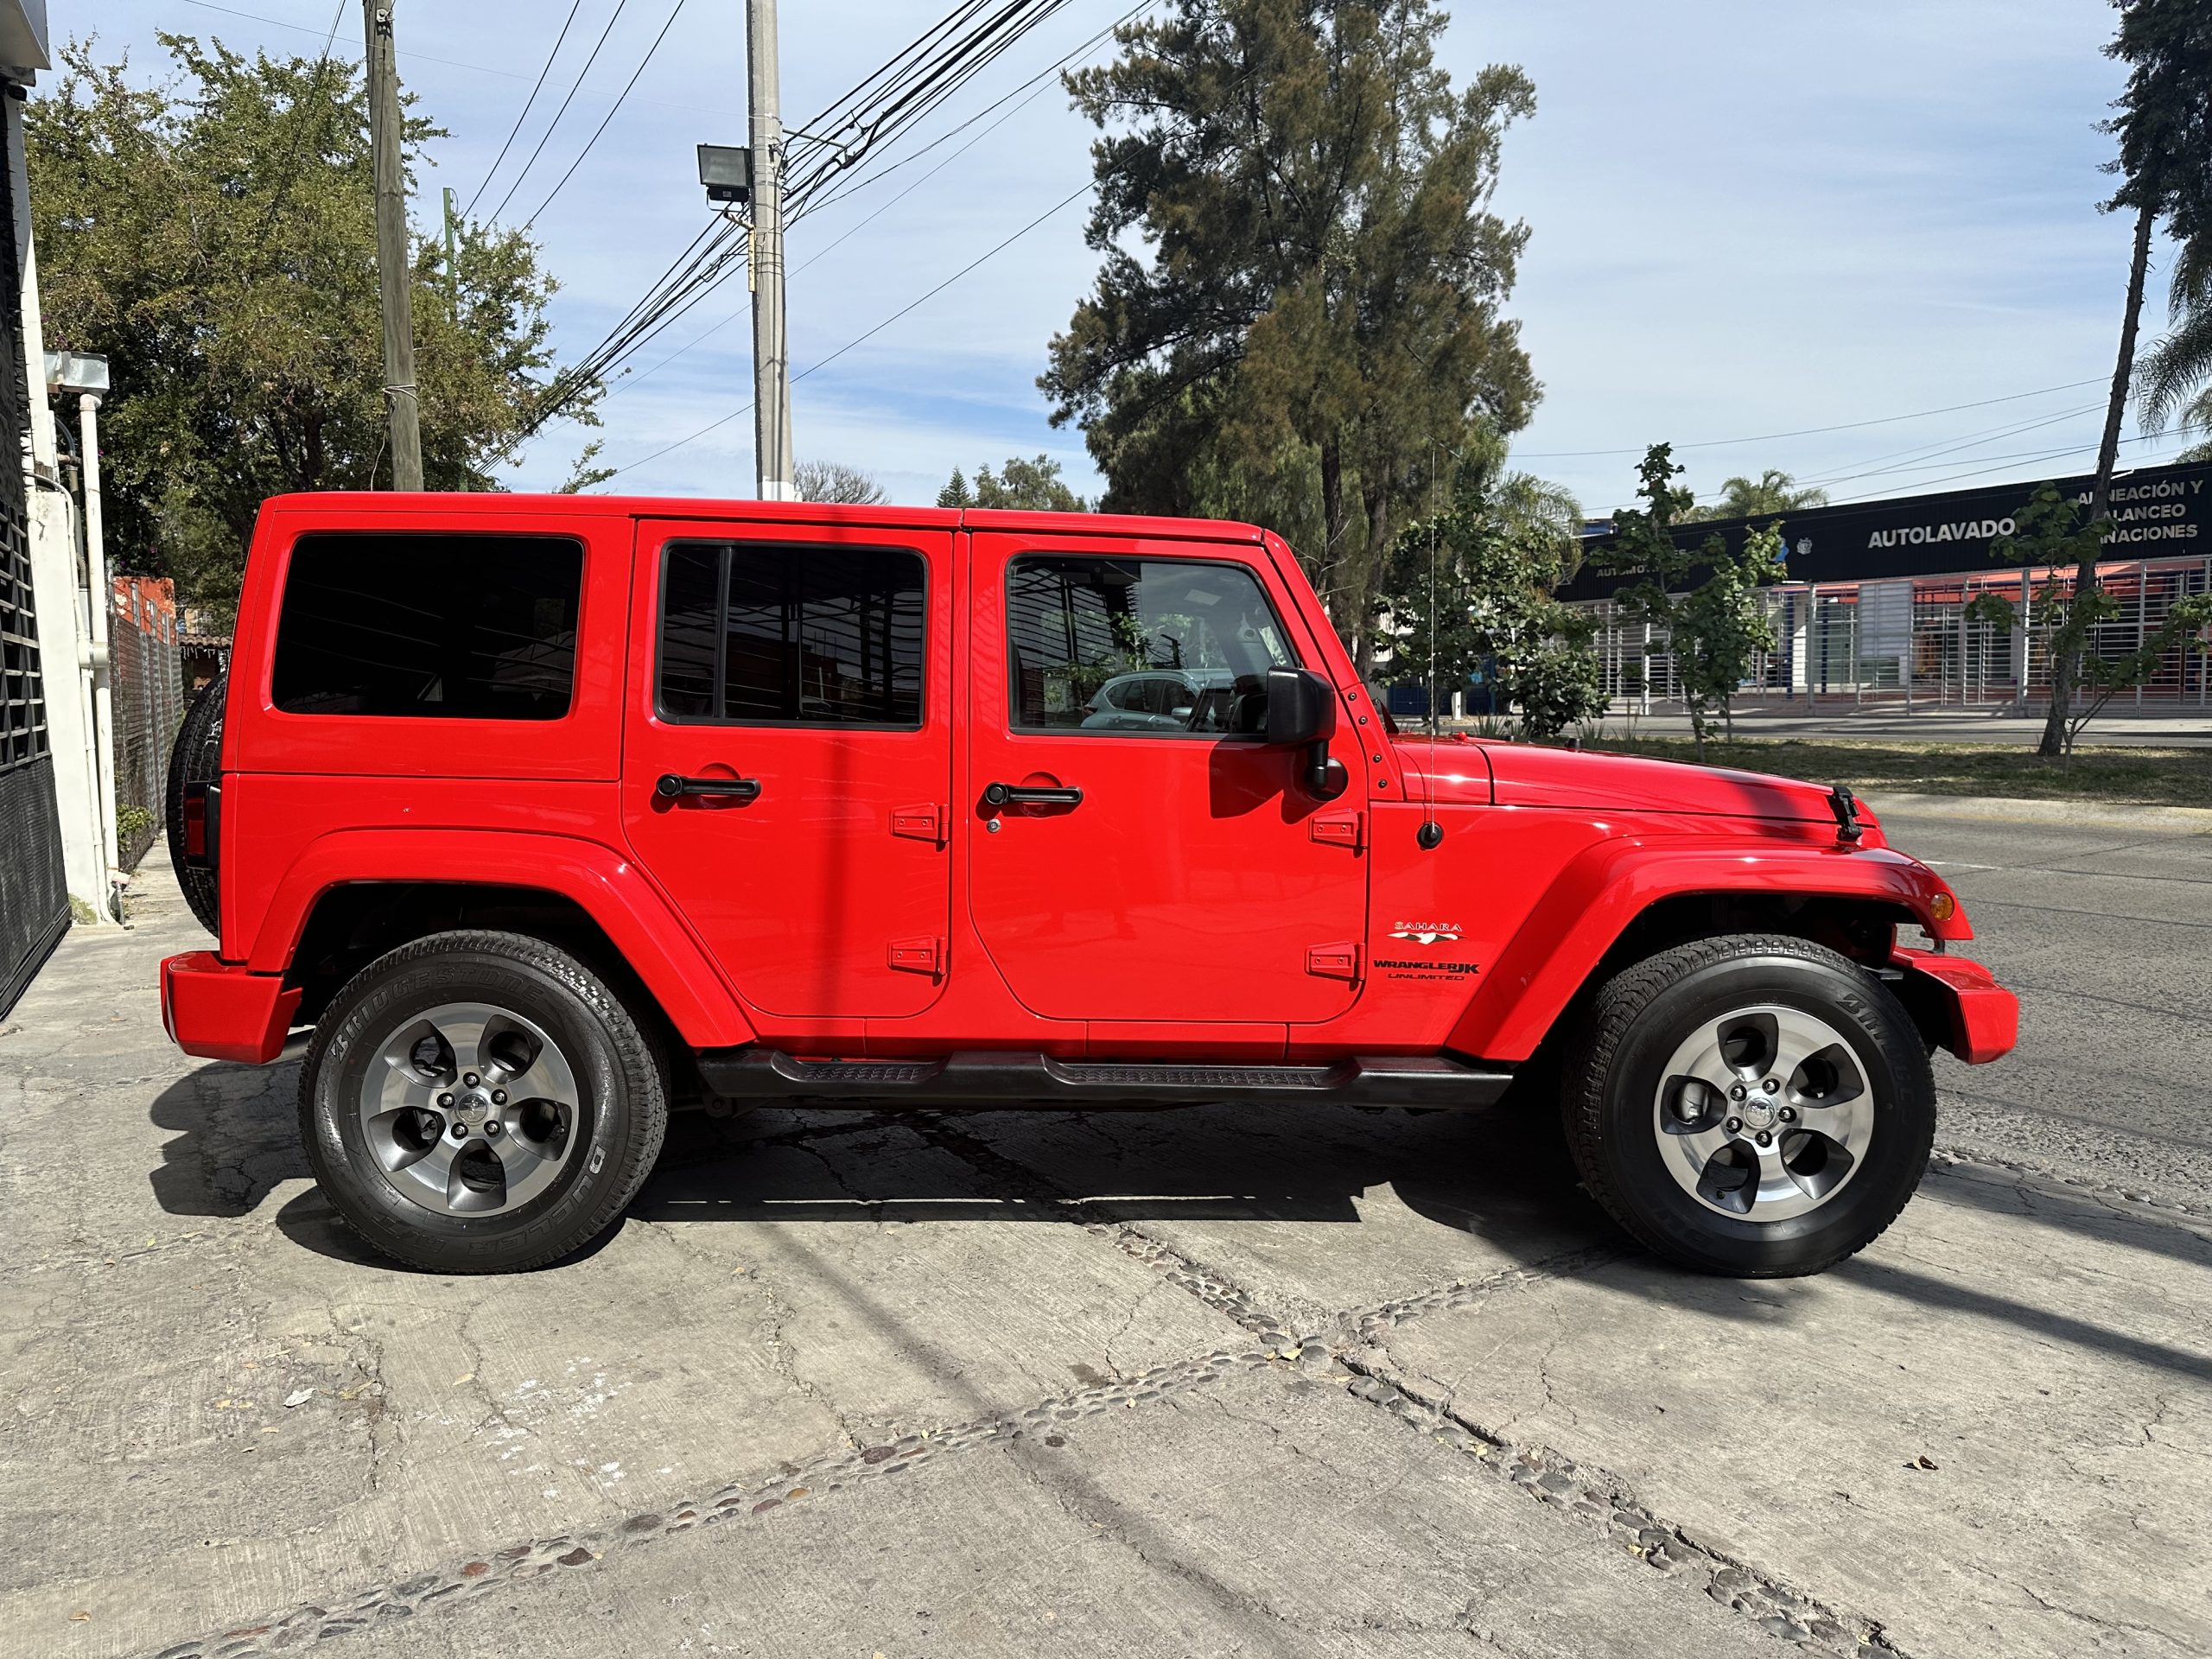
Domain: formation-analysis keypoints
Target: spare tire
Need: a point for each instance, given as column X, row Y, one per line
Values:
column 196, row 760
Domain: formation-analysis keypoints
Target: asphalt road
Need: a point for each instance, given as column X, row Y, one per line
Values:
column 1210, row 1381
column 2103, row 925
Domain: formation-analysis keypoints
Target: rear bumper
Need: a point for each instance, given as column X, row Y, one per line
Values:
column 220, row 1012
column 1961, row 1002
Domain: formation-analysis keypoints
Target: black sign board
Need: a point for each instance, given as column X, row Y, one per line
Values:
column 2157, row 511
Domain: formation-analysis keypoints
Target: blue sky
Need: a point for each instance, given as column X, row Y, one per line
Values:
column 1749, row 219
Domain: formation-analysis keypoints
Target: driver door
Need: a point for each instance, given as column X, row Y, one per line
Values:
column 1187, row 884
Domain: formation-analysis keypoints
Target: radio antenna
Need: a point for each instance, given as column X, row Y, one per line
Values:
column 1431, row 832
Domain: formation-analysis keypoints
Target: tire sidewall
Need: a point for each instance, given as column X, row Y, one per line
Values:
column 1890, row 1057
column 387, row 995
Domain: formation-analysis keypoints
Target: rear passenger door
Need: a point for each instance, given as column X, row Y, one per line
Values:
column 788, row 755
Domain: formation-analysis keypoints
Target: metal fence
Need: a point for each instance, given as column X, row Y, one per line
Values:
column 147, row 676
column 1908, row 643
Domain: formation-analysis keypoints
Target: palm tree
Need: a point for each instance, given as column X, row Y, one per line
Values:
column 2176, row 372
column 2165, row 129
column 1769, row 496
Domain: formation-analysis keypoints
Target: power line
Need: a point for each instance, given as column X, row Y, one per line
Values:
column 881, row 173
column 301, row 29
column 528, row 103
column 674, row 12
column 544, row 137
column 1812, row 431
column 1908, row 459
column 917, row 184
column 2002, row 462
column 859, row 339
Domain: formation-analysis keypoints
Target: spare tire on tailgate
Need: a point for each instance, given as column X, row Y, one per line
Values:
column 196, row 761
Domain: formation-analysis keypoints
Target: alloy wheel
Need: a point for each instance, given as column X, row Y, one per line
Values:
column 1763, row 1114
column 469, row 1109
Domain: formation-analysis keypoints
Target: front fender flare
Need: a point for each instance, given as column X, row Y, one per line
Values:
column 1609, row 885
column 611, row 889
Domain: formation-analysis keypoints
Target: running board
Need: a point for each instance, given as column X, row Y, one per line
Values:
column 987, row 1077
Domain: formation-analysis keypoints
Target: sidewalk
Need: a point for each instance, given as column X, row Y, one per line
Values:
column 1203, row 1381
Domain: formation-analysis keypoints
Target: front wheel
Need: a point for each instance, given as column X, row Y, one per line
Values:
column 1754, row 1105
column 480, row 1102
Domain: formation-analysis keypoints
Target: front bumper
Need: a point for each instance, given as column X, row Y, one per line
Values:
column 220, row 1012
column 1960, row 1002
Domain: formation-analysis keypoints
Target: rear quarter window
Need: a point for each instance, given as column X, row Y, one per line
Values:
column 429, row 626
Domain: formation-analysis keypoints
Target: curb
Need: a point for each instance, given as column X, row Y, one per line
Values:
column 2000, row 809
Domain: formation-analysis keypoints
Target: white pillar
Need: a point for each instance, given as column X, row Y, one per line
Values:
column 64, row 625
column 97, row 657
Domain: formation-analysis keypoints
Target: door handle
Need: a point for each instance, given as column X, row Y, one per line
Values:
column 674, row 786
column 998, row 795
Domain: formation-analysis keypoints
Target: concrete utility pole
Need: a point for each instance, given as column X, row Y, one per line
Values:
column 771, row 388
column 391, row 249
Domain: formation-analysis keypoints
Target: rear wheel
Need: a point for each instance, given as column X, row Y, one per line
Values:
column 479, row 1102
column 195, row 759
column 1755, row 1105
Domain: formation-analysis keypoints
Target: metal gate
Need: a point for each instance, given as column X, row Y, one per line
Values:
column 34, row 893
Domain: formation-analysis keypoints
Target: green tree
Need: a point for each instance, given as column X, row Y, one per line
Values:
column 213, row 236
column 2049, row 533
column 1770, row 494
column 1469, row 589
column 1026, row 486
column 1715, row 628
column 1301, row 283
column 832, row 480
column 2165, row 164
column 2177, row 371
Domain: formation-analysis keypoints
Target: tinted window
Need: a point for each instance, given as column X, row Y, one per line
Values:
column 767, row 634
column 454, row 627
column 1088, row 637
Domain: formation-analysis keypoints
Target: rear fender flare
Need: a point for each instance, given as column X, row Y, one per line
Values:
column 1601, row 892
column 614, row 892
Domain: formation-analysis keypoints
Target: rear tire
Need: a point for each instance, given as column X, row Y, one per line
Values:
column 1755, row 1105
column 196, row 757
column 480, row 1102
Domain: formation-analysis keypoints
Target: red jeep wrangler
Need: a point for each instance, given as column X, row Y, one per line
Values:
column 543, row 811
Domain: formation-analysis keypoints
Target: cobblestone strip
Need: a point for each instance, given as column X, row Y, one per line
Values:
column 732, row 1505
column 737, row 1504
column 1950, row 1160
column 1602, row 1501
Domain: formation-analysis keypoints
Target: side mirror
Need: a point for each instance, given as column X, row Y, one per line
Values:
column 1302, row 713
column 1301, row 708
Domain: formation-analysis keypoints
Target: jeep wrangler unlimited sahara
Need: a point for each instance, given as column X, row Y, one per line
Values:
column 544, row 812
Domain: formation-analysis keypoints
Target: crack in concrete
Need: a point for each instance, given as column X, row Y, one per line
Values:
column 1604, row 1500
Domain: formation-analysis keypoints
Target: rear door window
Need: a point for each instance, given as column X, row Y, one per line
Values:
column 429, row 626
column 766, row 634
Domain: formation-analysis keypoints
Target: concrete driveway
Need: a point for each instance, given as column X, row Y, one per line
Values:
column 1210, row 1381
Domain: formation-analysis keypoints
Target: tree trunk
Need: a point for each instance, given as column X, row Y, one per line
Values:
column 2065, row 670
column 1333, row 523
column 1362, row 588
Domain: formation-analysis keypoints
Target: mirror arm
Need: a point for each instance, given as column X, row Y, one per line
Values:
column 1326, row 778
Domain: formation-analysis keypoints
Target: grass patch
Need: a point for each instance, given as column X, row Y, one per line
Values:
column 2138, row 777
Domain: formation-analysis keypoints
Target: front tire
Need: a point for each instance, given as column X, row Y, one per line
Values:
column 1754, row 1105
column 480, row 1102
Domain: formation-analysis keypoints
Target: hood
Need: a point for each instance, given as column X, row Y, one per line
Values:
column 1526, row 775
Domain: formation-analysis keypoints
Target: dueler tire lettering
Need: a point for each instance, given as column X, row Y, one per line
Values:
column 619, row 1071
column 1613, row 1075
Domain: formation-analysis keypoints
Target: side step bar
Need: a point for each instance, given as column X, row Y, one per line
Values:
column 987, row 1077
